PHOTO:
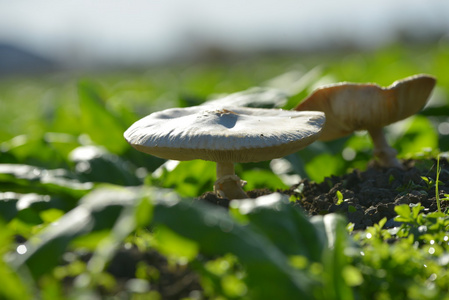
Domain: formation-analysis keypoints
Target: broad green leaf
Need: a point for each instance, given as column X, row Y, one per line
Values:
column 13, row 287
column 98, row 212
column 352, row 276
column 335, row 261
column 43, row 207
column 26, row 178
column 188, row 178
column 416, row 209
column 211, row 227
column 323, row 165
column 284, row 224
column 404, row 213
column 51, row 215
column 96, row 164
column 44, row 250
column 260, row 179
column 217, row 233
column 170, row 244
column 144, row 211
column 47, row 150
column 414, row 135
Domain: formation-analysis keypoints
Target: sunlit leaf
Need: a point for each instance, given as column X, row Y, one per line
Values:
column 285, row 225
column 217, row 233
column 171, row 244
column 14, row 287
column 189, row 178
column 323, row 165
column 96, row 164
column 415, row 135
column 26, row 178
column 260, row 179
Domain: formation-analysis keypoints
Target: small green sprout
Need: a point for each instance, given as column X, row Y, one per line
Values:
column 429, row 182
column 339, row 197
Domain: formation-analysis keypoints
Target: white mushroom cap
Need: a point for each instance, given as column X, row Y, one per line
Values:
column 224, row 134
column 352, row 106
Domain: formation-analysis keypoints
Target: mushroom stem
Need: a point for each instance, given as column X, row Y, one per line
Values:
column 228, row 185
column 384, row 154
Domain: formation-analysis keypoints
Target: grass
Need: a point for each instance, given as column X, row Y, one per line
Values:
column 437, row 180
column 74, row 195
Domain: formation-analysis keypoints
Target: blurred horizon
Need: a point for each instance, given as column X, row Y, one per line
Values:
column 45, row 35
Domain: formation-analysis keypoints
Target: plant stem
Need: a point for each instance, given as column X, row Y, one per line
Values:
column 437, row 191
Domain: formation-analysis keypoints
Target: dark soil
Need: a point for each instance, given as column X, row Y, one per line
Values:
column 368, row 196
column 171, row 281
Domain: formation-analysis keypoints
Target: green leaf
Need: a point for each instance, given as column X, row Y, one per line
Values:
column 417, row 133
column 26, row 178
column 382, row 222
column 13, row 287
column 51, row 215
column 43, row 207
column 403, row 211
column 46, row 150
column 352, row 276
column 173, row 245
column 284, row 224
column 260, row 179
column 8, row 202
column 217, row 233
column 210, row 227
column 339, row 197
column 96, row 164
column 416, row 209
column 188, row 178
column 335, row 260
column 97, row 211
column 323, row 166
column 144, row 212
column 102, row 125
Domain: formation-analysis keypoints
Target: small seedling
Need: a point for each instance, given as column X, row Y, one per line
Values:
column 429, row 182
column 339, row 197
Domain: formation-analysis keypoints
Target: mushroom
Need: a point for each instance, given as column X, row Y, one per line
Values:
column 225, row 135
column 350, row 107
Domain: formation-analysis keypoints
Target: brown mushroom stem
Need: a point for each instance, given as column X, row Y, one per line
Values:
column 385, row 154
column 228, row 185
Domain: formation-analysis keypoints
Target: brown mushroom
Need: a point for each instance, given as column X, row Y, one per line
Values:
column 350, row 107
column 225, row 135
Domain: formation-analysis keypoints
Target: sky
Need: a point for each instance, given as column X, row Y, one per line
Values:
column 82, row 32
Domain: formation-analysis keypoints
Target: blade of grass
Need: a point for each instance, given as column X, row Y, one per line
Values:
column 437, row 191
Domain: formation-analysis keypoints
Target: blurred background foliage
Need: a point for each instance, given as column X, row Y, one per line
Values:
column 75, row 197
column 82, row 215
column 48, row 120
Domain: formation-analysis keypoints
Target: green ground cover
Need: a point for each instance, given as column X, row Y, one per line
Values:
column 73, row 193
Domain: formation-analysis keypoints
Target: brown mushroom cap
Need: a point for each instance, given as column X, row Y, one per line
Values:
column 224, row 134
column 350, row 106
